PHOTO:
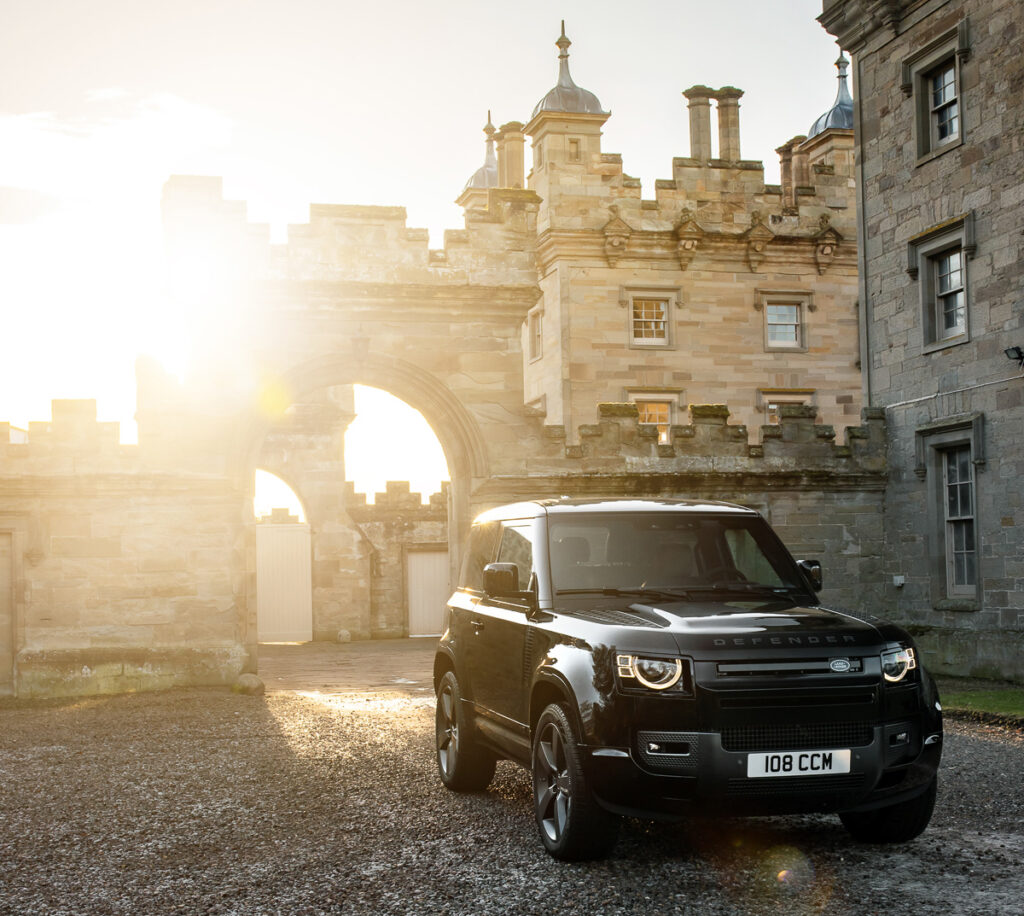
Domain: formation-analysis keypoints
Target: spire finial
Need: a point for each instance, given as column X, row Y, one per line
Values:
column 489, row 127
column 564, row 78
column 563, row 42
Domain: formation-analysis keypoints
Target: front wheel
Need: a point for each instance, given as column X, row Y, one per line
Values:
column 463, row 764
column 897, row 823
column 572, row 825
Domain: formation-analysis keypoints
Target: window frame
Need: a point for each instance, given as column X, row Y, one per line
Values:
column 534, row 334
column 767, row 299
column 628, row 296
column 950, row 49
column 924, row 252
column 783, row 396
column 934, row 442
column 671, row 397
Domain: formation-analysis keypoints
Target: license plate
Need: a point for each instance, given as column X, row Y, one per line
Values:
column 798, row 763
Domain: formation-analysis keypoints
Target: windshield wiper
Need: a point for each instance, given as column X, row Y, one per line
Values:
column 639, row 591
column 748, row 587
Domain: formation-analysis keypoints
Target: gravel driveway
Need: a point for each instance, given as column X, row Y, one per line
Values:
column 321, row 797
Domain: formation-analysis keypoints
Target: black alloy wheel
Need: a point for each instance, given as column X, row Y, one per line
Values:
column 572, row 825
column 463, row 764
column 897, row 823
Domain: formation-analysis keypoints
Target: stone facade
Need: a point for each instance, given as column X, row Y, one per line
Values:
column 530, row 343
column 940, row 181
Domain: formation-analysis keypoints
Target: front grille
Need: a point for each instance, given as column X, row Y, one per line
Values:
column 826, row 735
column 794, row 668
column 796, row 785
column 793, row 698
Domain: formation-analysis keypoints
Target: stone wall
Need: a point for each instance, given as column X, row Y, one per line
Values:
column 957, row 389
column 122, row 578
column 396, row 522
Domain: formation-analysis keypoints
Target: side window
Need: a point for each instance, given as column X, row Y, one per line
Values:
column 937, row 259
column 785, row 318
column 651, row 316
column 950, row 453
column 482, row 541
column 517, row 547
column 931, row 79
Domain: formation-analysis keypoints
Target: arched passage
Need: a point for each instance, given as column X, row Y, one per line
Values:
column 456, row 430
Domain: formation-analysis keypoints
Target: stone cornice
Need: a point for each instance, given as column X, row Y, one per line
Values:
column 664, row 245
column 489, row 299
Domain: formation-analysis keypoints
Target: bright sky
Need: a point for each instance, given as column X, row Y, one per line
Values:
column 326, row 101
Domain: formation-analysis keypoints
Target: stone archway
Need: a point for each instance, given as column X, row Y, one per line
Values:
column 341, row 566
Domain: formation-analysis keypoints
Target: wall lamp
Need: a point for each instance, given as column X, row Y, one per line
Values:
column 1015, row 353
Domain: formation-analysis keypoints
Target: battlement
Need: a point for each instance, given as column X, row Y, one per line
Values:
column 398, row 499
column 618, row 442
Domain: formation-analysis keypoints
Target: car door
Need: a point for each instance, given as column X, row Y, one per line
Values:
column 496, row 637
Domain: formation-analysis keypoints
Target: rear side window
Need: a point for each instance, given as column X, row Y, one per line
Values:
column 482, row 541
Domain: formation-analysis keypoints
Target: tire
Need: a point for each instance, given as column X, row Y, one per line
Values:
column 572, row 826
column 897, row 823
column 463, row 764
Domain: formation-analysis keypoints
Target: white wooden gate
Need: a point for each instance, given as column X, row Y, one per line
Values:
column 428, row 590
column 284, row 590
column 6, row 615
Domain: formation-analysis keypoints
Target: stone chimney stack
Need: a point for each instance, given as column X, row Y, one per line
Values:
column 729, row 123
column 698, row 99
column 511, row 152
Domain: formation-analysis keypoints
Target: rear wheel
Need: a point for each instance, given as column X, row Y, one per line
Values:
column 897, row 823
column 572, row 825
column 464, row 765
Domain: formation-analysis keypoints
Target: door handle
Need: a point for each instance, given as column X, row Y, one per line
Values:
column 477, row 624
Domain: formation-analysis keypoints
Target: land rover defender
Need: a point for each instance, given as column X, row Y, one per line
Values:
column 658, row 658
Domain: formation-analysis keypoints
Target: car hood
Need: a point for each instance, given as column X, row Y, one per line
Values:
column 739, row 623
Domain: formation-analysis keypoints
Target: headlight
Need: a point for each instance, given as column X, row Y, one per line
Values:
column 655, row 673
column 897, row 664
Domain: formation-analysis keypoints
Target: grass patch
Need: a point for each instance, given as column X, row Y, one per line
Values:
column 1006, row 702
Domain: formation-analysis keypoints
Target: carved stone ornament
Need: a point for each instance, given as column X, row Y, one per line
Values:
column 616, row 237
column 758, row 237
column 689, row 234
column 825, row 244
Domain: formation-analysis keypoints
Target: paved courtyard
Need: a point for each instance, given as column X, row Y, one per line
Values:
column 321, row 797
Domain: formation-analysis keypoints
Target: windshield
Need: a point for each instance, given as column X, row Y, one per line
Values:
column 666, row 552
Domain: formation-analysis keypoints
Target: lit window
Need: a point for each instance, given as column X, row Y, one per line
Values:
column 958, row 482
column 650, row 321
column 659, row 414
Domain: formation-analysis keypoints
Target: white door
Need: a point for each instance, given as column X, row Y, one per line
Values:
column 284, row 591
column 6, row 615
column 428, row 588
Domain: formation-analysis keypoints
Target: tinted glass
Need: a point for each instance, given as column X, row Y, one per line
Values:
column 482, row 541
column 663, row 550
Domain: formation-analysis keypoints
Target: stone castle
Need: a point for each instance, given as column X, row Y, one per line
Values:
column 574, row 338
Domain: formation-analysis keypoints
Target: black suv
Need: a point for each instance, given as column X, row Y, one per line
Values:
column 656, row 658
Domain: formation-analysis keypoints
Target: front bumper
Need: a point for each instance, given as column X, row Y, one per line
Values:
column 694, row 772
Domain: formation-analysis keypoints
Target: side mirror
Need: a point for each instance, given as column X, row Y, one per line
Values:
column 501, row 580
column 812, row 570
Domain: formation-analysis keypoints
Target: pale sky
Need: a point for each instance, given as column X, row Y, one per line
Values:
column 325, row 101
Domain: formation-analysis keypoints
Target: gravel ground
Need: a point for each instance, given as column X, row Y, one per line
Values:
column 202, row 801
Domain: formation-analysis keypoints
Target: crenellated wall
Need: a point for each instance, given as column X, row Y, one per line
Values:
column 121, row 578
